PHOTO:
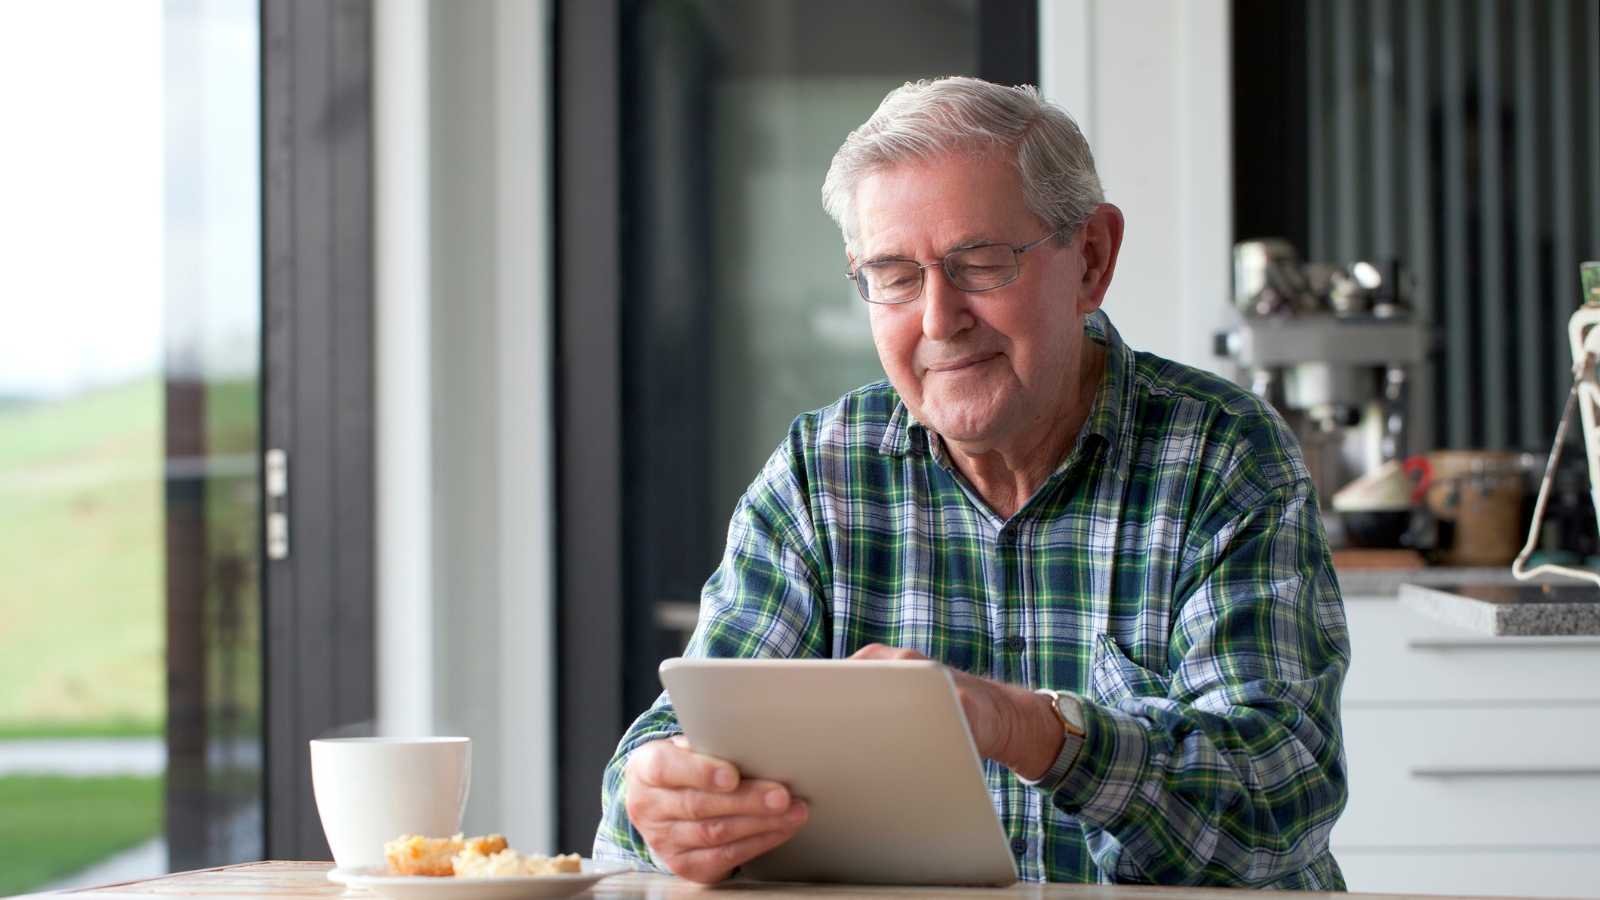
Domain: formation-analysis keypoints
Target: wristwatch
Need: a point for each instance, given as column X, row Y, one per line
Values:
column 1069, row 711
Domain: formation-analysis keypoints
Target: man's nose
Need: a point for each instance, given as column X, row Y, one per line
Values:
column 945, row 309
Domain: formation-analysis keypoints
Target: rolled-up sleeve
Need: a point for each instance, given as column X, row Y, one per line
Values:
column 1229, row 769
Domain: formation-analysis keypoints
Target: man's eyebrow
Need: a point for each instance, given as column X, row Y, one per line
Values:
column 977, row 240
column 881, row 258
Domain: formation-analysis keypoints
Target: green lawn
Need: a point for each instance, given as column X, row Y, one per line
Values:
column 81, row 563
column 51, row 827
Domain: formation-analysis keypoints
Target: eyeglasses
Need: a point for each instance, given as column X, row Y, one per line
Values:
column 971, row 269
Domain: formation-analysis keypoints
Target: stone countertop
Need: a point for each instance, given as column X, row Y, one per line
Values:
column 1520, row 610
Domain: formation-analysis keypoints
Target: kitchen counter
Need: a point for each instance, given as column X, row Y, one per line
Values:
column 1386, row 582
column 308, row 881
column 1516, row 610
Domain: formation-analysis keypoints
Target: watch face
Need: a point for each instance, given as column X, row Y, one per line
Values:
column 1072, row 710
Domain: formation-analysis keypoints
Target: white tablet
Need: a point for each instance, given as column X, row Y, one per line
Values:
column 879, row 749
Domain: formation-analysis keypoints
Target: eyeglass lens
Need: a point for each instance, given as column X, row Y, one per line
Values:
column 974, row 269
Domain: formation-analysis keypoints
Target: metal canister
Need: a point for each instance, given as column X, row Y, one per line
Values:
column 1477, row 494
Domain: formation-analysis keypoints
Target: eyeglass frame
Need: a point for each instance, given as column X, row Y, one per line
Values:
column 854, row 272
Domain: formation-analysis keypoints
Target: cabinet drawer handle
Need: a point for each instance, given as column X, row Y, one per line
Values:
column 1505, row 772
column 1502, row 643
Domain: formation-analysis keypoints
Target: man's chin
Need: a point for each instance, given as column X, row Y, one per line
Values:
column 973, row 429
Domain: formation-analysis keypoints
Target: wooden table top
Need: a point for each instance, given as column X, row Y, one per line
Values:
column 308, row 881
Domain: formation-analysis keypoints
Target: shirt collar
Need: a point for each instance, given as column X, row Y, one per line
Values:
column 1112, row 403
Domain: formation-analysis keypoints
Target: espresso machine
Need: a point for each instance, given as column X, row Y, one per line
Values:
column 1335, row 349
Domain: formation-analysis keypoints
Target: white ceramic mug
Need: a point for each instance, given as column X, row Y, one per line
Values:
column 372, row 790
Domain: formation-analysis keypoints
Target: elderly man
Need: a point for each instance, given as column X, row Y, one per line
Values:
column 1121, row 556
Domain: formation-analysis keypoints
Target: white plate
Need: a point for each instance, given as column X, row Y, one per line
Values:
column 524, row 887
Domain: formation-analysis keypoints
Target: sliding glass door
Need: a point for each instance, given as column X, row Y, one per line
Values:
column 130, row 635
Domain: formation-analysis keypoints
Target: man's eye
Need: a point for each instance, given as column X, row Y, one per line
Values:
column 891, row 278
column 977, row 271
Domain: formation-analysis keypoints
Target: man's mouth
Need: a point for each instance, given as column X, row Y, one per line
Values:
column 963, row 364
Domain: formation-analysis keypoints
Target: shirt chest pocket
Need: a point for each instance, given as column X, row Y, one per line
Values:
column 1113, row 677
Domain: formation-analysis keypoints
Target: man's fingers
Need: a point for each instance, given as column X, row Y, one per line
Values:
column 753, row 798
column 713, row 863
column 669, row 764
column 884, row 651
column 700, row 834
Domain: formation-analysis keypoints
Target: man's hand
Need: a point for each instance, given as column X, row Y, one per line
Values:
column 1011, row 725
column 698, row 816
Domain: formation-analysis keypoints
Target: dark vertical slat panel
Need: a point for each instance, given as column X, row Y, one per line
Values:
column 1382, row 141
column 1345, row 156
column 1453, row 284
column 589, row 397
column 317, row 390
column 1419, row 205
column 1491, row 230
column 1565, row 285
column 1316, row 134
column 1532, row 386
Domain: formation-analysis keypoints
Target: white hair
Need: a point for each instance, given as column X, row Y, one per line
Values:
column 927, row 121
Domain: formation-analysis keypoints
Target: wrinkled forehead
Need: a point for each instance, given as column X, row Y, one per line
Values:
column 940, row 204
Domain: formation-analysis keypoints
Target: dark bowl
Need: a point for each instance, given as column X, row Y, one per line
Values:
column 1376, row 529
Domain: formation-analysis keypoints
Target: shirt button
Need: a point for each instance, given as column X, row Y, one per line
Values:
column 1008, row 534
column 1019, row 846
column 1015, row 643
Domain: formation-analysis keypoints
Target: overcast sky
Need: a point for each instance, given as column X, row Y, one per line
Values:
column 80, row 193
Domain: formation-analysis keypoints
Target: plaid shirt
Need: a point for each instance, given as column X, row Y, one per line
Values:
column 1173, row 571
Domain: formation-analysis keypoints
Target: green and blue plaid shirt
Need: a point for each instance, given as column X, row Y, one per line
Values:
column 1172, row 570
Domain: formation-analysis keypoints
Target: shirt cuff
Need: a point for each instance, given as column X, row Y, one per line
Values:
column 1110, row 767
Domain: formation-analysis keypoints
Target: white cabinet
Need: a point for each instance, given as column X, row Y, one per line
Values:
column 1474, row 761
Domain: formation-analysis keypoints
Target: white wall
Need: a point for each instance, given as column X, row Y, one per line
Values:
column 404, row 369
column 1148, row 81
column 465, row 441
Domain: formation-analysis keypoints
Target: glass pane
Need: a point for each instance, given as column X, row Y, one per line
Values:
column 81, row 635
column 212, row 362
column 738, row 314
column 128, row 322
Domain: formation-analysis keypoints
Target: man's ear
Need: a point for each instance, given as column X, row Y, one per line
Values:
column 1099, row 240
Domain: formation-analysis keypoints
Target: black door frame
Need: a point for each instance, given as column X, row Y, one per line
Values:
column 317, row 394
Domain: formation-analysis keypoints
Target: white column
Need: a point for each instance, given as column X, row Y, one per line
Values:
column 404, row 371
column 1066, row 58
column 1151, row 78
column 527, row 430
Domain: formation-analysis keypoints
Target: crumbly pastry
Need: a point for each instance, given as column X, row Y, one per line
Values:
column 411, row 854
column 474, row 863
